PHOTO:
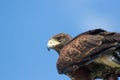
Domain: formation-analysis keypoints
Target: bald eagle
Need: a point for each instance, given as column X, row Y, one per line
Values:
column 94, row 52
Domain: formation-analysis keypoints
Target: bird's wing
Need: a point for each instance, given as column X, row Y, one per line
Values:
column 110, row 44
column 81, row 48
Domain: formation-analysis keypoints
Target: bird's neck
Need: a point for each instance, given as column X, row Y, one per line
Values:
column 58, row 49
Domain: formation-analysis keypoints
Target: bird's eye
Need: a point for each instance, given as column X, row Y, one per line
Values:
column 59, row 38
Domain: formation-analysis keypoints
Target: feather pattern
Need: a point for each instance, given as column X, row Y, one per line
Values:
column 94, row 43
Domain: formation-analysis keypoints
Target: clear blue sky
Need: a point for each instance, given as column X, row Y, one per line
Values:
column 26, row 26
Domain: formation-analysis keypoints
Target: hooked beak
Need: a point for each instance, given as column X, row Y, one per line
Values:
column 48, row 48
column 52, row 43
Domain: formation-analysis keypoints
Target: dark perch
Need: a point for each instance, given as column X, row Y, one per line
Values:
column 111, row 74
column 83, row 74
column 111, row 77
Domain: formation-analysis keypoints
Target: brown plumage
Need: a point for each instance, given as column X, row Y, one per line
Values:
column 80, row 74
column 95, row 46
column 85, row 48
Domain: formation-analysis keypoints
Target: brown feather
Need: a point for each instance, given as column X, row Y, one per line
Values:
column 83, row 46
column 86, row 47
column 77, row 50
column 80, row 74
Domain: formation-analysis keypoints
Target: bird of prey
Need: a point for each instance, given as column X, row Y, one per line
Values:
column 94, row 47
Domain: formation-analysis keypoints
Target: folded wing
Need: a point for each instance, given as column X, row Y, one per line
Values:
column 85, row 48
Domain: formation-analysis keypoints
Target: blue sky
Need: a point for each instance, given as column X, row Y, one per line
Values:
column 26, row 26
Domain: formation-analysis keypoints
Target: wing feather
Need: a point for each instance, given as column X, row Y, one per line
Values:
column 85, row 46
